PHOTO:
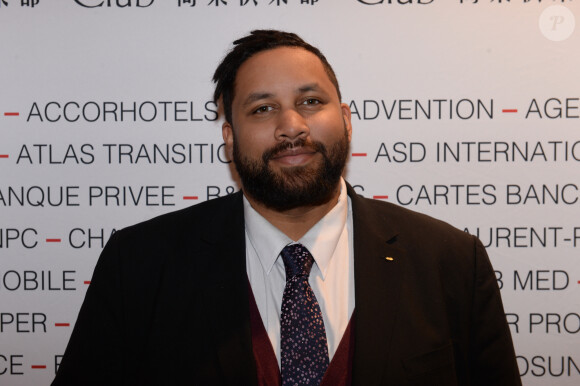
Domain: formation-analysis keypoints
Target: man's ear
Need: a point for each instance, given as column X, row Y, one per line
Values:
column 228, row 136
column 346, row 115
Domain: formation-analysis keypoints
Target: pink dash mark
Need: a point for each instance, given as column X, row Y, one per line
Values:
column 3, row 155
column 359, row 154
column 87, row 282
column 11, row 114
column 190, row 197
column 53, row 240
column 38, row 366
column 381, row 197
column 509, row 111
column 62, row 324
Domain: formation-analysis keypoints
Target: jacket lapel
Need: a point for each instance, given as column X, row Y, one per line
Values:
column 226, row 292
column 377, row 258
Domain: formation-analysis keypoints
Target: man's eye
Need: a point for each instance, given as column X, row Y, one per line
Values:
column 262, row 109
column 312, row 101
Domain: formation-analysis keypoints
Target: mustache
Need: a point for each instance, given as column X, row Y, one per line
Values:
column 301, row 142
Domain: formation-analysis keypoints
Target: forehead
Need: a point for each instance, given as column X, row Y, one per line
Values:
column 280, row 69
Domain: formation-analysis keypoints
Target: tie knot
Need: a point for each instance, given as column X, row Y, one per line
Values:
column 297, row 260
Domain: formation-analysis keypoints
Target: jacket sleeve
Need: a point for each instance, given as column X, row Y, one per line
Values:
column 93, row 354
column 492, row 356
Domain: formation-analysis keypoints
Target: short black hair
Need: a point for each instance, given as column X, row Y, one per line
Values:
column 244, row 48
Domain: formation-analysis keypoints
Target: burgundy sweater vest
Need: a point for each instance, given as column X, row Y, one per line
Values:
column 339, row 372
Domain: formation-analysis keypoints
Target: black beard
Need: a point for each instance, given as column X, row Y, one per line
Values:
column 294, row 186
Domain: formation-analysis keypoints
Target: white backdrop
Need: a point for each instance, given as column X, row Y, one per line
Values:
column 468, row 111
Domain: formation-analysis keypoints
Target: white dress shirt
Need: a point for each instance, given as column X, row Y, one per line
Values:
column 331, row 278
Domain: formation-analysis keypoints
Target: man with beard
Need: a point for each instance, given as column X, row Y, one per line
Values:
column 295, row 280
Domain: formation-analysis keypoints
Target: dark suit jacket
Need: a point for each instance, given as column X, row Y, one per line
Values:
column 168, row 304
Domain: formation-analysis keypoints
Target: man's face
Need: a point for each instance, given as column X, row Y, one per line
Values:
column 289, row 136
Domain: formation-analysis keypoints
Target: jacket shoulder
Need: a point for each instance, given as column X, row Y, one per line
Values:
column 191, row 220
column 406, row 221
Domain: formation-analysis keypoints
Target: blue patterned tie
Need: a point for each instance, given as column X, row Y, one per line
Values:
column 304, row 350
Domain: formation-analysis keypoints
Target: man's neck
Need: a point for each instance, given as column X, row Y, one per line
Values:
column 294, row 223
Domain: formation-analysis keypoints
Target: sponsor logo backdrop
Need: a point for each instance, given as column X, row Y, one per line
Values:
column 465, row 110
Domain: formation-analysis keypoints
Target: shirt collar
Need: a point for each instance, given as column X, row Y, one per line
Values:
column 321, row 239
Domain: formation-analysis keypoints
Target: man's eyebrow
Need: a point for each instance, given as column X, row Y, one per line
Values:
column 309, row 87
column 256, row 96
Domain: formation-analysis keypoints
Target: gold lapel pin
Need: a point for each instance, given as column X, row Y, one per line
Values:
column 389, row 258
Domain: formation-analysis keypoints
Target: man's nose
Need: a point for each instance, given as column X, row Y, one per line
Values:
column 291, row 125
